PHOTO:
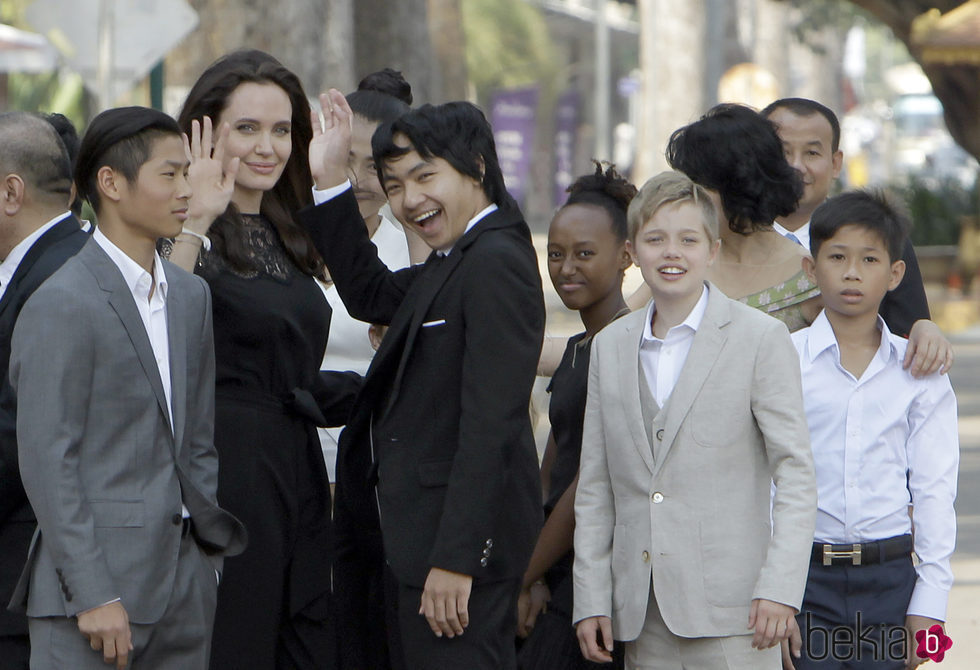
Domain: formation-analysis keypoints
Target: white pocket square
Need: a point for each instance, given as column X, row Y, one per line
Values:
column 437, row 322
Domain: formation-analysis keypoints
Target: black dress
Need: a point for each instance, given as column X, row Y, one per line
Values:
column 270, row 330
column 552, row 645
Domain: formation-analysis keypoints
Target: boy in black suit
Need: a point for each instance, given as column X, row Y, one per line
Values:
column 444, row 408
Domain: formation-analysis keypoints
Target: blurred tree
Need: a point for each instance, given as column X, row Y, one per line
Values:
column 956, row 86
column 507, row 46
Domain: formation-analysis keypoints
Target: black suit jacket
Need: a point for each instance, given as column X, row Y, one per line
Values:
column 17, row 522
column 906, row 304
column 445, row 403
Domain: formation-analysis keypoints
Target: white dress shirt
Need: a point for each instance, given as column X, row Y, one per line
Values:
column 663, row 360
column 800, row 236
column 9, row 265
column 881, row 443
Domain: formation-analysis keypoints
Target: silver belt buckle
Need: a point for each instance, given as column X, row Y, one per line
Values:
column 829, row 554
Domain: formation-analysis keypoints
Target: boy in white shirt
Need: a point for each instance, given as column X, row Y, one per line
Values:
column 882, row 441
column 694, row 407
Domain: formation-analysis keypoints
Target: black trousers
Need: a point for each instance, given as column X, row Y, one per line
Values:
column 854, row 616
column 486, row 644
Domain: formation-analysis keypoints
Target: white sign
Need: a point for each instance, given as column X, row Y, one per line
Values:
column 140, row 33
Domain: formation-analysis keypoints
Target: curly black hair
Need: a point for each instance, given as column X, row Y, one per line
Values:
column 606, row 189
column 732, row 149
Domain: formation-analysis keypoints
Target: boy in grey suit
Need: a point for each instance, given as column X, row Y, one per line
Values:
column 694, row 407
column 112, row 361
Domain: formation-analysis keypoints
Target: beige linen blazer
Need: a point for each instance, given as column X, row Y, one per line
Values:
column 691, row 511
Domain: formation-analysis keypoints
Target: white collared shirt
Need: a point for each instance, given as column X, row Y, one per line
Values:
column 881, row 443
column 320, row 197
column 802, row 234
column 152, row 308
column 9, row 265
column 663, row 360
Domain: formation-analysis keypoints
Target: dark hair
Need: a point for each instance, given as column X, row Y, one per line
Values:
column 121, row 139
column 606, row 189
column 381, row 96
column 806, row 107
column 874, row 210
column 294, row 190
column 69, row 137
column 735, row 151
column 30, row 148
column 458, row 133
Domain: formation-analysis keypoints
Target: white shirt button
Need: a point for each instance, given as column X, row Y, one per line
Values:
column 657, row 497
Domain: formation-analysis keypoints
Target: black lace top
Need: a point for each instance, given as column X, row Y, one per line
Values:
column 270, row 320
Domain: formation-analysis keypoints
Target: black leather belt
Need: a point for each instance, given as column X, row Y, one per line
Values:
column 864, row 553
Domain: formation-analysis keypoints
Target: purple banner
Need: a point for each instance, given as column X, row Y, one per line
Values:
column 512, row 118
column 566, row 125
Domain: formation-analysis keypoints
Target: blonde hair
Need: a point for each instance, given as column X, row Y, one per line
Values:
column 668, row 188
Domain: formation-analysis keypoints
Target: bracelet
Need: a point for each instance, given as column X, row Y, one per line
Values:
column 204, row 239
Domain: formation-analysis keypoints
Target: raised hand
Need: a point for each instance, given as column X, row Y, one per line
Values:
column 212, row 182
column 330, row 146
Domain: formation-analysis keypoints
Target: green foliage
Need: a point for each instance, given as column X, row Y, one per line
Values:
column 936, row 208
column 507, row 45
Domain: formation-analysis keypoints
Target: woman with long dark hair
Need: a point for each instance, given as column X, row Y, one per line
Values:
column 270, row 323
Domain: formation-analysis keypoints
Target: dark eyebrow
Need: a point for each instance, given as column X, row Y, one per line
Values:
column 178, row 164
column 415, row 168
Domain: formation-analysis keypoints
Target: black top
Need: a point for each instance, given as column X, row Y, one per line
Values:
column 907, row 303
column 569, row 388
column 270, row 321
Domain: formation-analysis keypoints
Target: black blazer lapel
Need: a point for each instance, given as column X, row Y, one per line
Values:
column 425, row 290
column 58, row 232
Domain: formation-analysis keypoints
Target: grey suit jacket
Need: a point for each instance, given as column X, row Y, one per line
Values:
column 104, row 473
column 691, row 510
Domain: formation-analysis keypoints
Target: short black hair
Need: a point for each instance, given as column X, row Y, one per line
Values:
column 456, row 132
column 381, row 96
column 874, row 210
column 736, row 152
column 69, row 137
column 606, row 189
column 121, row 139
column 30, row 148
column 807, row 107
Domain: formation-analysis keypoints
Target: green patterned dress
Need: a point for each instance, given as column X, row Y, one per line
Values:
column 784, row 300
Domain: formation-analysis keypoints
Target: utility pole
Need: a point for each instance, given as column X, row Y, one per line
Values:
column 602, row 87
column 107, row 21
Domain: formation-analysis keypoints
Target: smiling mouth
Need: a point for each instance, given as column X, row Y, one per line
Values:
column 262, row 168
column 423, row 219
column 671, row 271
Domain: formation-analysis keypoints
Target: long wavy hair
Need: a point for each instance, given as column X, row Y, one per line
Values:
column 209, row 97
column 735, row 151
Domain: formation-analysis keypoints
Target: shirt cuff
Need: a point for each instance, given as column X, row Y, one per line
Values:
column 928, row 601
column 320, row 197
column 114, row 600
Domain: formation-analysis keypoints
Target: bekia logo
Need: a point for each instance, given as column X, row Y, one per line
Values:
column 872, row 642
column 933, row 643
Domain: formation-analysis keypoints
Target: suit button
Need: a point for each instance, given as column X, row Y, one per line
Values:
column 483, row 562
column 660, row 434
column 657, row 497
column 489, row 543
column 646, row 556
column 176, row 519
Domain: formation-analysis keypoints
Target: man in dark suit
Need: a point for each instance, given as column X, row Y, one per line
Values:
column 444, row 408
column 112, row 360
column 37, row 235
